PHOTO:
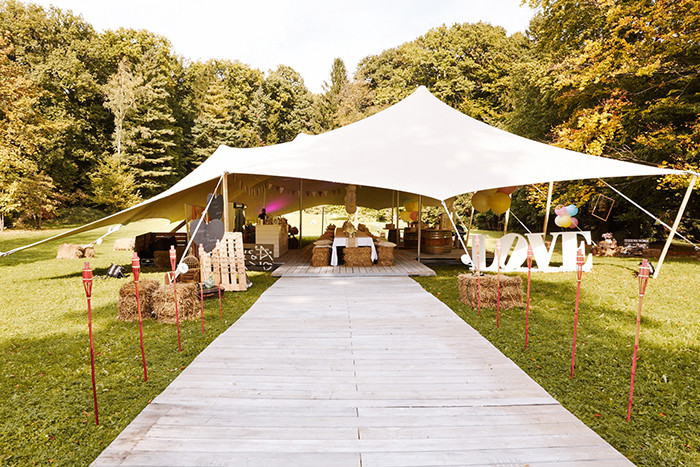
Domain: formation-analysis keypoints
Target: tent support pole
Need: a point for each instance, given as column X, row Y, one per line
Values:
column 420, row 222
column 398, row 235
column 301, row 193
column 227, row 214
column 672, row 234
column 546, row 212
column 505, row 223
column 454, row 226
column 323, row 219
column 469, row 228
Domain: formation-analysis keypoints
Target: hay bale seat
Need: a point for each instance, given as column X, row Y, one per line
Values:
column 357, row 257
column 385, row 253
column 187, row 302
column 321, row 256
column 70, row 251
column 124, row 244
column 511, row 290
column 127, row 300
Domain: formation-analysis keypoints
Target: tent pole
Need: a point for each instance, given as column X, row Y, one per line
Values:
column 323, row 219
column 301, row 193
column 398, row 219
column 469, row 228
column 454, row 226
column 505, row 223
column 675, row 224
column 420, row 222
column 546, row 213
column 227, row 214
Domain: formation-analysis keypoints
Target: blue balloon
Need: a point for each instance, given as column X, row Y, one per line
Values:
column 571, row 210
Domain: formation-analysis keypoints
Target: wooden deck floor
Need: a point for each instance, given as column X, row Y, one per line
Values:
column 297, row 263
column 353, row 371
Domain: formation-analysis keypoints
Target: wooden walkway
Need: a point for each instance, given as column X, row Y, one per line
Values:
column 297, row 263
column 354, row 371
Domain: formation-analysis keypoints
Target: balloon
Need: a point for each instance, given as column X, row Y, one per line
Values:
column 414, row 216
column 405, row 216
column 499, row 202
column 481, row 201
column 574, row 223
column 560, row 210
column 490, row 191
column 565, row 221
column 411, row 206
column 507, row 189
column 557, row 221
column 571, row 210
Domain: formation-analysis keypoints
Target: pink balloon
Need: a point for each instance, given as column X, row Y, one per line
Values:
column 560, row 211
column 574, row 223
column 507, row 189
column 414, row 216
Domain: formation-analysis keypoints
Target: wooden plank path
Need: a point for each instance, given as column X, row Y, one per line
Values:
column 354, row 371
column 297, row 263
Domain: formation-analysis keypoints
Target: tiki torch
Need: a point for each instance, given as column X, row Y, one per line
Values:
column 579, row 275
column 530, row 254
column 201, row 296
column 87, row 285
column 643, row 281
column 136, row 269
column 478, row 272
column 498, row 283
column 173, row 260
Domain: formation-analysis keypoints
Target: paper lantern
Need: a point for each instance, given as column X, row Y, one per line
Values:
column 507, row 189
column 480, row 201
column 499, row 202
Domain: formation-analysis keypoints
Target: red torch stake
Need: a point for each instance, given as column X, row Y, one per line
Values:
column 136, row 269
column 643, row 281
column 201, row 299
column 218, row 254
column 498, row 283
column 219, row 287
column 173, row 259
column 527, row 306
column 478, row 272
column 579, row 274
column 87, row 285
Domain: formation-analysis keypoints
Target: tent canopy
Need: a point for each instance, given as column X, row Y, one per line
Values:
column 419, row 146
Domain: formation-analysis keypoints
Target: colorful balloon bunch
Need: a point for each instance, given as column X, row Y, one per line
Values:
column 565, row 216
column 410, row 213
column 495, row 199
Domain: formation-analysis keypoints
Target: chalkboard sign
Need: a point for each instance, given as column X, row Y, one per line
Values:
column 258, row 257
column 207, row 233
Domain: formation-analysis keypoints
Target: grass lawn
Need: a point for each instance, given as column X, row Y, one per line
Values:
column 665, row 424
column 46, row 410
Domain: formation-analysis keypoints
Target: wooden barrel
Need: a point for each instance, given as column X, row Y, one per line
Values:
column 410, row 239
column 436, row 242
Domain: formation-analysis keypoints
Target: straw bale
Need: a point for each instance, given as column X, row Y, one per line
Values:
column 320, row 256
column 385, row 254
column 70, row 251
column 511, row 290
column 124, row 244
column 358, row 256
column 187, row 302
column 127, row 300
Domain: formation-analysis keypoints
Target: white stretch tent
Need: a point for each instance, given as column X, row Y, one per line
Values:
column 418, row 146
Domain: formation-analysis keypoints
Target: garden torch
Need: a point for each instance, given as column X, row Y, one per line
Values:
column 173, row 260
column 87, row 284
column 478, row 272
column 643, row 281
column 498, row 283
column 579, row 275
column 530, row 254
column 136, row 269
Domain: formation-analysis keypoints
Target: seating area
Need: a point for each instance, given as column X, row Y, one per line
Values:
column 352, row 247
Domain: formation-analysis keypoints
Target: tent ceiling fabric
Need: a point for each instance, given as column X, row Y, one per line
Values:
column 420, row 145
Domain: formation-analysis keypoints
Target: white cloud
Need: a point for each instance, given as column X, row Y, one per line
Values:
column 304, row 34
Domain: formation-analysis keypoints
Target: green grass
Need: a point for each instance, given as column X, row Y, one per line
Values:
column 46, row 410
column 664, row 429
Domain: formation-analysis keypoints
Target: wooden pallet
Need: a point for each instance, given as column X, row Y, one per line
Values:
column 226, row 263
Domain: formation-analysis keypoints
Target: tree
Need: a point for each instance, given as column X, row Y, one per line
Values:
column 120, row 98
column 328, row 103
column 282, row 107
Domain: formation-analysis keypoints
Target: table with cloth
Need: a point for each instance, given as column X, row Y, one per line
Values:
column 360, row 239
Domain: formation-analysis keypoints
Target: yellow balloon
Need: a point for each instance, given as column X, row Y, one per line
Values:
column 411, row 206
column 480, row 201
column 490, row 191
column 405, row 216
column 499, row 203
column 565, row 221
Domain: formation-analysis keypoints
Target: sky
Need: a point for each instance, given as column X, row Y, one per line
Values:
column 304, row 34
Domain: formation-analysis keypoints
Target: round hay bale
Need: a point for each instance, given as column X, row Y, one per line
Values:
column 127, row 300
column 187, row 302
column 70, row 251
column 511, row 290
column 124, row 244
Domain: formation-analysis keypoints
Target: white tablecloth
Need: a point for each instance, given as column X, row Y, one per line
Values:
column 359, row 241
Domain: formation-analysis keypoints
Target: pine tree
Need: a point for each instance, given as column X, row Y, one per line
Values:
column 329, row 102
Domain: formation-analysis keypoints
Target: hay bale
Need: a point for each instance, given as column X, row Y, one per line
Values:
column 385, row 254
column 358, row 256
column 70, row 251
column 124, row 244
column 511, row 290
column 321, row 256
column 187, row 302
column 127, row 300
